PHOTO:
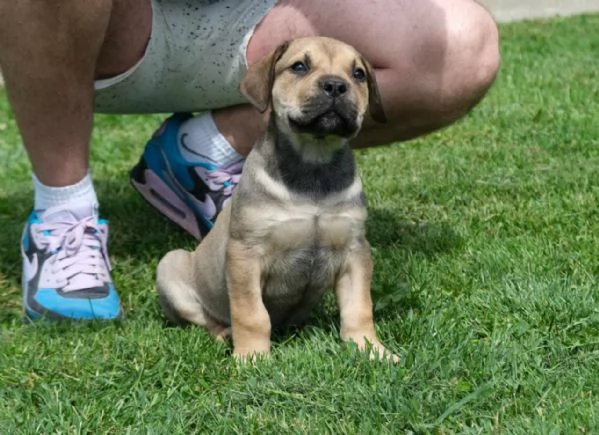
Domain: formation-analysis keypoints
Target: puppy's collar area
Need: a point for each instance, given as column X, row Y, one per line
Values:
column 312, row 168
column 316, row 150
column 310, row 147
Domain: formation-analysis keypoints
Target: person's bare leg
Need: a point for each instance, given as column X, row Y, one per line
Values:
column 50, row 53
column 434, row 60
column 241, row 125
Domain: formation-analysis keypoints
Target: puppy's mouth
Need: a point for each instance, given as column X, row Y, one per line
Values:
column 332, row 119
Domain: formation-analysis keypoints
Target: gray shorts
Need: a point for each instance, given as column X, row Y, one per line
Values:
column 194, row 61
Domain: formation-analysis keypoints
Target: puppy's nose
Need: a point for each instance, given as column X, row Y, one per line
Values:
column 334, row 87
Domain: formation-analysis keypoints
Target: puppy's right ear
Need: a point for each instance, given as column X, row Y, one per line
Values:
column 374, row 97
column 257, row 82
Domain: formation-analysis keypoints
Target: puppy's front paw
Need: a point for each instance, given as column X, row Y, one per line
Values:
column 376, row 351
column 379, row 353
column 252, row 351
column 250, row 356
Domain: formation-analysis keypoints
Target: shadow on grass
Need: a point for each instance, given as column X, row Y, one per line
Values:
column 386, row 230
column 13, row 213
column 399, row 245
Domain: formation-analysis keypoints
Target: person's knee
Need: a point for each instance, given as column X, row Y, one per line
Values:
column 473, row 51
column 449, row 67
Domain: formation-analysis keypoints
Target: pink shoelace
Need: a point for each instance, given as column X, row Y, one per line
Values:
column 79, row 257
column 228, row 176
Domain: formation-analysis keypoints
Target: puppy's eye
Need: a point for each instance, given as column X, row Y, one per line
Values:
column 359, row 74
column 299, row 68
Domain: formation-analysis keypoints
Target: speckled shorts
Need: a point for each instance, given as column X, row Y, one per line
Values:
column 194, row 60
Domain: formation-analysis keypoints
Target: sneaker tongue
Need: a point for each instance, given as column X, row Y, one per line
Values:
column 70, row 213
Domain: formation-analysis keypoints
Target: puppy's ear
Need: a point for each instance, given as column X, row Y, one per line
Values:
column 374, row 98
column 257, row 82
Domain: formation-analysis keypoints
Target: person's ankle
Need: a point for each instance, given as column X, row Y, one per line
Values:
column 200, row 140
column 75, row 195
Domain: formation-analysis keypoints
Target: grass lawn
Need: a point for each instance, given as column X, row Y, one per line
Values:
column 485, row 240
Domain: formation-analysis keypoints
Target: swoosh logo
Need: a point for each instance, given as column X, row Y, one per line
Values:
column 189, row 150
column 206, row 206
column 30, row 266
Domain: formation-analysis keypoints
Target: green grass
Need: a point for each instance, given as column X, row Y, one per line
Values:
column 485, row 239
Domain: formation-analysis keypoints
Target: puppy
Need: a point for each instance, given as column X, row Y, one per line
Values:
column 294, row 227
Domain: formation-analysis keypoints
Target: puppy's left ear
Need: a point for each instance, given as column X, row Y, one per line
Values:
column 257, row 82
column 374, row 97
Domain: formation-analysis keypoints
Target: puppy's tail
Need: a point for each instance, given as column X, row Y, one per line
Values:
column 175, row 285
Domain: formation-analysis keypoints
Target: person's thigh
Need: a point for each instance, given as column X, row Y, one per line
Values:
column 435, row 59
column 194, row 60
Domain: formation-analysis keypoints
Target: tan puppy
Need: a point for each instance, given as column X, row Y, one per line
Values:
column 294, row 227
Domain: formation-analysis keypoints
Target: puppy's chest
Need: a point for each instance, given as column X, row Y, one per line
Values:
column 304, row 248
column 292, row 227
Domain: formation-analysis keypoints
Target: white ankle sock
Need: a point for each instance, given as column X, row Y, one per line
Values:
column 70, row 196
column 200, row 141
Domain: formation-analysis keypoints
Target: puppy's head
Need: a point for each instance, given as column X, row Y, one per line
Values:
column 317, row 86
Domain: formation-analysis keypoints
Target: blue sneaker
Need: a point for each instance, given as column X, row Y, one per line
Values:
column 191, row 194
column 66, row 271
